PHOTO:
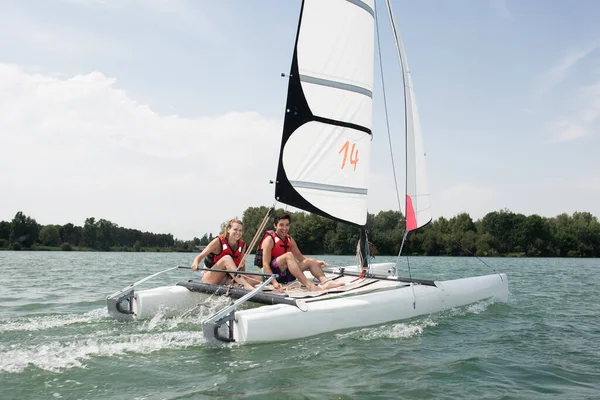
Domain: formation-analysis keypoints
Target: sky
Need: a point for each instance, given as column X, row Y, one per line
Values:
column 166, row 116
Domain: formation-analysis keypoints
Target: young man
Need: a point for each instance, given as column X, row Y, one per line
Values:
column 280, row 255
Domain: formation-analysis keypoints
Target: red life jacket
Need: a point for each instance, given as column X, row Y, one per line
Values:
column 280, row 246
column 236, row 254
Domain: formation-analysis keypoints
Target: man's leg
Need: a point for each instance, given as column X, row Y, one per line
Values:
column 317, row 271
column 287, row 261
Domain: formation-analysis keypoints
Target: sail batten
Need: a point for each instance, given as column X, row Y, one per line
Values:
column 329, row 188
column 337, row 85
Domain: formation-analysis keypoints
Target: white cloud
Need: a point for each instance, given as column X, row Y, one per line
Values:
column 557, row 74
column 591, row 103
column 79, row 147
column 581, row 122
column 575, row 107
column 568, row 131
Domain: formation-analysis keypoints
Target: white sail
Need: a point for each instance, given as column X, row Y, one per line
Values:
column 418, row 210
column 327, row 132
column 335, row 59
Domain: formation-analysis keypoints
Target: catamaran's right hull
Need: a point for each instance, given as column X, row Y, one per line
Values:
column 283, row 322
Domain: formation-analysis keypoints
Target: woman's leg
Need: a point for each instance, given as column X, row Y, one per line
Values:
column 216, row 278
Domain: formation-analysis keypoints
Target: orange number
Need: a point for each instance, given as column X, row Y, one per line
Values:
column 353, row 154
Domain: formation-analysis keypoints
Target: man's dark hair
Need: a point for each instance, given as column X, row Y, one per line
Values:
column 280, row 217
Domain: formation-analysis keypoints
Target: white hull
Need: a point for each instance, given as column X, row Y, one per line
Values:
column 167, row 300
column 175, row 300
column 281, row 322
column 361, row 302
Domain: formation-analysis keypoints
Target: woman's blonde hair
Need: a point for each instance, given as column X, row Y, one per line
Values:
column 229, row 225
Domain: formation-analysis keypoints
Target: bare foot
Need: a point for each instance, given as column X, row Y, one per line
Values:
column 331, row 285
column 248, row 287
column 313, row 288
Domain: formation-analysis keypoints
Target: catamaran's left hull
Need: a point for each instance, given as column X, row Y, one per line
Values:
column 177, row 299
column 281, row 322
column 174, row 300
column 147, row 303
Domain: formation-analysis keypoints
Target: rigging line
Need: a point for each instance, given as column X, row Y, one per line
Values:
column 387, row 120
column 475, row 255
column 388, row 124
column 368, row 251
column 400, row 253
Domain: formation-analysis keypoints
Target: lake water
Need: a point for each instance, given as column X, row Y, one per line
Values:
column 57, row 341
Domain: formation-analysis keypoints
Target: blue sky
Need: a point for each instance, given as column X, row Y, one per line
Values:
column 166, row 115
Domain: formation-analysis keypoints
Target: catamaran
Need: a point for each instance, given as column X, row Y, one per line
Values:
column 323, row 169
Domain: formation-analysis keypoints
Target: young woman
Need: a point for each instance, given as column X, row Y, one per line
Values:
column 224, row 252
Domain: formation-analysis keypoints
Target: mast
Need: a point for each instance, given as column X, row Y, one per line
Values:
column 364, row 251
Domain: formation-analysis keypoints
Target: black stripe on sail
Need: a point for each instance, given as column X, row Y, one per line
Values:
column 342, row 124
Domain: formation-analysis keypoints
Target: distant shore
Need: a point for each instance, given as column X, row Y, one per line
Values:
column 114, row 249
column 498, row 234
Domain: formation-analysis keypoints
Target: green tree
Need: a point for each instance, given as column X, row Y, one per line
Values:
column 564, row 237
column 204, row 240
column 468, row 242
column 106, row 234
column 587, row 230
column 5, row 230
column 499, row 224
column 252, row 218
column 485, row 245
column 387, row 231
column 49, row 235
column 537, row 236
column 459, row 239
column 24, row 230
column 430, row 241
column 462, row 223
column 70, row 233
column 575, row 236
column 90, row 233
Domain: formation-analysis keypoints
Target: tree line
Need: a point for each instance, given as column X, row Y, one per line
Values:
column 23, row 232
column 499, row 233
